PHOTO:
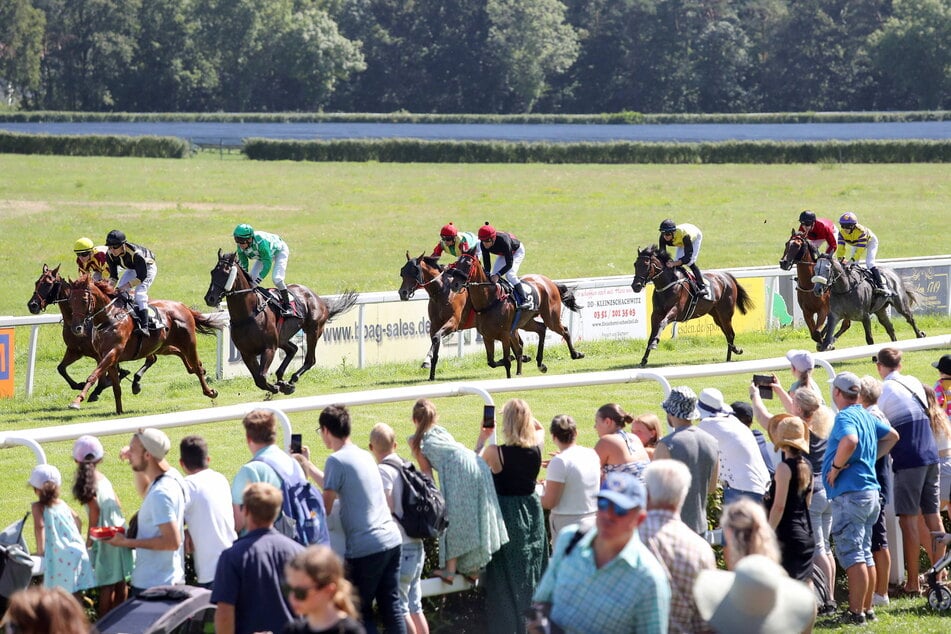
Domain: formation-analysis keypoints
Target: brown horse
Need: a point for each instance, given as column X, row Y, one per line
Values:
column 815, row 308
column 49, row 289
column 498, row 319
column 257, row 329
column 102, row 312
column 674, row 299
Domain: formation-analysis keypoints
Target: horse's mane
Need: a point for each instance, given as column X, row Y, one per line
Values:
column 660, row 254
column 433, row 262
column 84, row 281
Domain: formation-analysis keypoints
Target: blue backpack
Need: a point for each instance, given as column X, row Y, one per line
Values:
column 303, row 517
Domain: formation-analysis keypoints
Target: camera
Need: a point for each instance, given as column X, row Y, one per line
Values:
column 763, row 382
column 488, row 416
column 296, row 442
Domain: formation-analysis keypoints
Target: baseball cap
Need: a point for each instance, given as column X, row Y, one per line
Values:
column 802, row 360
column 943, row 365
column 154, row 441
column 743, row 411
column 87, row 448
column 43, row 473
column 848, row 382
column 625, row 490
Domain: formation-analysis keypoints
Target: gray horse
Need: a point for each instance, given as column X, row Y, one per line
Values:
column 852, row 297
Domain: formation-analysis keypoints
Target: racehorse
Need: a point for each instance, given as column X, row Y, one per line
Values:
column 674, row 299
column 50, row 288
column 852, row 296
column 104, row 313
column 815, row 308
column 497, row 319
column 448, row 312
column 258, row 331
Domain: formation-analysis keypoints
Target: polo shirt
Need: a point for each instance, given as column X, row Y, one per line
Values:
column 860, row 473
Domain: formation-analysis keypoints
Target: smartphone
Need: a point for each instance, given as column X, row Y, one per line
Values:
column 488, row 415
column 296, row 443
column 763, row 382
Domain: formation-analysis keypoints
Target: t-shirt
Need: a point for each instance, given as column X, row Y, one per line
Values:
column 353, row 475
column 698, row 450
column 741, row 463
column 210, row 520
column 164, row 503
column 859, row 475
column 257, row 471
column 345, row 625
column 900, row 403
column 579, row 469
column 393, row 487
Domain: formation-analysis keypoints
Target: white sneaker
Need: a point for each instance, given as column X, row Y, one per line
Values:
column 878, row 599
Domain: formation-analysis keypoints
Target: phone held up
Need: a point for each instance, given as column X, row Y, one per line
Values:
column 488, row 415
column 763, row 382
column 296, row 442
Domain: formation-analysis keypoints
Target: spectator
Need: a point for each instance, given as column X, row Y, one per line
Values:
column 746, row 531
column 619, row 451
column 514, row 571
column 249, row 576
column 476, row 528
column 941, row 427
column 848, row 473
column 383, row 448
column 914, row 459
column 942, row 388
column 757, row 597
column 579, row 590
column 95, row 492
column 682, row 551
column 744, row 413
column 40, row 610
column 695, row 448
column 802, row 364
column 647, row 428
column 320, row 593
column 58, row 532
column 209, row 519
column 373, row 538
column 572, row 479
column 159, row 540
column 742, row 469
column 789, row 495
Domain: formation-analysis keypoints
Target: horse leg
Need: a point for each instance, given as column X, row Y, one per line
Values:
column 432, row 357
column 509, row 345
column 539, row 329
column 812, row 320
column 105, row 364
column 137, row 377
column 846, row 323
column 885, row 321
column 70, row 357
column 903, row 309
column 827, row 331
column 290, row 349
column 258, row 369
column 726, row 327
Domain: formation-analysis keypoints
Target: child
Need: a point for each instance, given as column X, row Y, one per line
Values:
column 320, row 593
column 94, row 491
column 58, row 535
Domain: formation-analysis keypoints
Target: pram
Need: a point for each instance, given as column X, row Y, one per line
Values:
column 16, row 564
column 939, row 596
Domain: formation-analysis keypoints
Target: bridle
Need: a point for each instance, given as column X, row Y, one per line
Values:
column 472, row 263
column 418, row 275
column 654, row 269
column 47, row 289
column 226, row 265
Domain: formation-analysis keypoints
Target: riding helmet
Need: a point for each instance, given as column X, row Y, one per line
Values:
column 667, row 226
column 83, row 245
column 244, row 231
column 115, row 238
column 448, row 231
column 807, row 218
column 848, row 219
column 487, row 232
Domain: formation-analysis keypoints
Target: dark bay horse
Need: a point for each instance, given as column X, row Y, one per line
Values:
column 675, row 301
column 99, row 310
column 852, row 296
column 448, row 312
column 49, row 289
column 496, row 317
column 258, row 331
column 815, row 308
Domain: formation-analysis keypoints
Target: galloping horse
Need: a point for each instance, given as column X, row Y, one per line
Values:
column 448, row 312
column 99, row 309
column 815, row 308
column 852, row 296
column 258, row 331
column 674, row 300
column 496, row 318
column 50, row 288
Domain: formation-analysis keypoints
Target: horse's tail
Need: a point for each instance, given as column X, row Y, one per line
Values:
column 911, row 293
column 207, row 325
column 568, row 298
column 743, row 301
column 342, row 304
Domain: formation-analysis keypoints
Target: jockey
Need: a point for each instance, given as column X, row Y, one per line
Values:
column 270, row 254
column 90, row 259
column 138, row 273
column 818, row 231
column 862, row 242
column 454, row 242
column 687, row 238
column 511, row 252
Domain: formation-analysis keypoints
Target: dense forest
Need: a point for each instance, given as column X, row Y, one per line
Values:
column 476, row 56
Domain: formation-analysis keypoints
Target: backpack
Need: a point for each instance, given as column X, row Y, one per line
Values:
column 424, row 508
column 303, row 517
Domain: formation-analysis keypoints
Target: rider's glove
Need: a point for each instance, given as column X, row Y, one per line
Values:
column 256, row 281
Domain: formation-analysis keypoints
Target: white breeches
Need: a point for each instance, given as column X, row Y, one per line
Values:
column 512, row 274
column 142, row 290
column 278, row 268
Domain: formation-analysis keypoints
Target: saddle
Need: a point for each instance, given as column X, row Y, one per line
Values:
column 155, row 321
column 504, row 292
column 273, row 298
column 692, row 279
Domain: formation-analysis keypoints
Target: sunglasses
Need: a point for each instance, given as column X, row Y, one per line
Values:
column 298, row 593
column 604, row 504
column 448, row 238
column 242, row 240
column 84, row 254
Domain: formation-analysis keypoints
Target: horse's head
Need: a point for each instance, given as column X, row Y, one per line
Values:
column 86, row 299
column 466, row 269
column 647, row 266
column 798, row 249
column 824, row 274
column 47, row 290
column 412, row 276
column 223, row 278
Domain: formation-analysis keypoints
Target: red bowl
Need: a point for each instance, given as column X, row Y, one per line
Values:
column 105, row 532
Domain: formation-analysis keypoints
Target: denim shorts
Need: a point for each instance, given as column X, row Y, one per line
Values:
column 853, row 515
column 731, row 495
column 411, row 570
column 820, row 514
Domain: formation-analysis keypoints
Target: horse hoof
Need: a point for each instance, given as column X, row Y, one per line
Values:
column 213, row 394
column 268, row 396
column 136, row 388
column 526, row 358
column 74, row 405
column 543, row 368
column 737, row 350
column 288, row 388
column 921, row 334
column 578, row 355
column 123, row 374
column 92, row 398
column 424, row 365
column 643, row 363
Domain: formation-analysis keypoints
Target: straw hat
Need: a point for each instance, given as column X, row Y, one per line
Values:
column 790, row 431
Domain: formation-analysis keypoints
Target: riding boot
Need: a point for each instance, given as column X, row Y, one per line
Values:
column 286, row 309
column 701, row 285
column 880, row 287
column 142, row 316
column 521, row 302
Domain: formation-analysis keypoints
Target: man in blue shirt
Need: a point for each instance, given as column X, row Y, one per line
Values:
column 856, row 441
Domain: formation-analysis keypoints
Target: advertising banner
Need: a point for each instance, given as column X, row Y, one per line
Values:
column 6, row 362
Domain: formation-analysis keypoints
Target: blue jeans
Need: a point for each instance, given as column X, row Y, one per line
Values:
column 411, row 571
column 731, row 495
column 377, row 576
column 853, row 515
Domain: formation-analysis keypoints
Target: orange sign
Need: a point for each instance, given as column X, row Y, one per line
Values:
column 6, row 362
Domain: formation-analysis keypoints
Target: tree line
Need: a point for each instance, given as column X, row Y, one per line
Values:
column 475, row 56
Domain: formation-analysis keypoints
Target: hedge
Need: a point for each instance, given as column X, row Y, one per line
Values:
column 94, row 145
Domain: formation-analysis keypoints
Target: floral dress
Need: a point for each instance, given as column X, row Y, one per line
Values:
column 112, row 564
column 65, row 560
